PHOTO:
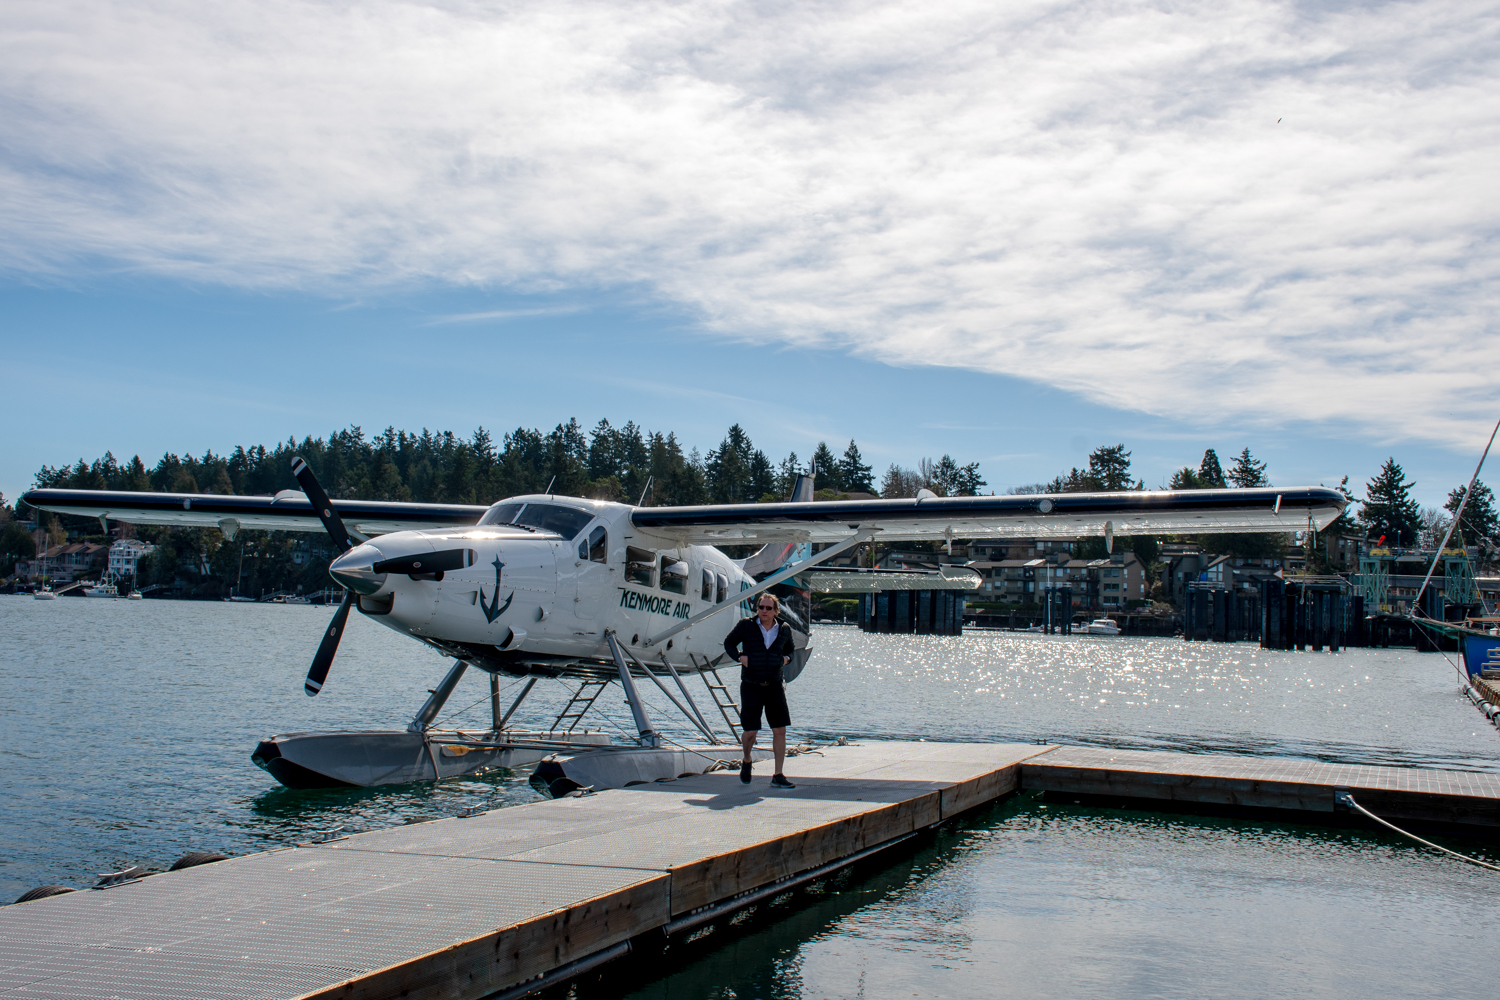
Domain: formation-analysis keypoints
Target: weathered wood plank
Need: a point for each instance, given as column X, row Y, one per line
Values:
column 965, row 795
column 710, row 879
column 511, row 955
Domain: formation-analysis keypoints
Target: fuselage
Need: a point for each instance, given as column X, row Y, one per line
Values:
column 540, row 579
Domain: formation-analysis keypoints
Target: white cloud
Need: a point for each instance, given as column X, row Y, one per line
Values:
column 1094, row 195
column 502, row 314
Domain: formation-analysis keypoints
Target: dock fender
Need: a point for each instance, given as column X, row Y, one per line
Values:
column 42, row 892
column 549, row 779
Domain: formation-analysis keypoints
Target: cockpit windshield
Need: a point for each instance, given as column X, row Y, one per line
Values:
column 549, row 517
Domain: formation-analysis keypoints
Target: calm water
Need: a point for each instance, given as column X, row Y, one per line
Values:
column 127, row 728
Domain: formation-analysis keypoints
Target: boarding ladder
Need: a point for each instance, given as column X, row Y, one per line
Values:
column 722, row 698
column 588, row 693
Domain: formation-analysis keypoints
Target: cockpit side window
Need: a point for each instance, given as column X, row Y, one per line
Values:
column 674, row 575
column 708, row 585
column 599, row 545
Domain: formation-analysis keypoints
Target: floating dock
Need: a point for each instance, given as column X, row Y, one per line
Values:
column 505, row 902
column 1466, row 801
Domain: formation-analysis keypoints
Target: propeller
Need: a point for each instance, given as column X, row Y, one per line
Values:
column 318, row 672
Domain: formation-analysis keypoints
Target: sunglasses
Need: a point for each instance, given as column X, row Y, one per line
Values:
column 766, row 607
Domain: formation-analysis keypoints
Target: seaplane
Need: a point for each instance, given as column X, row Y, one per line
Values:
column 594, row 593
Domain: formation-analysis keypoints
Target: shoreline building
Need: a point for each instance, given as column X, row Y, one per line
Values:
column 124, row 556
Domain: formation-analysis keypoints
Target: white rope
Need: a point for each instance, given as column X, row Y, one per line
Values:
column 1462, row 857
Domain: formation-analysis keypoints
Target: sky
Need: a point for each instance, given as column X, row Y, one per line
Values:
column 1011, row 233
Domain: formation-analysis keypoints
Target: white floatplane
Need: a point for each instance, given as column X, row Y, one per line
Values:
column 597, row 593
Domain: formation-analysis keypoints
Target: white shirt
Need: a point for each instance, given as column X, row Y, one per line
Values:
column 768, row 637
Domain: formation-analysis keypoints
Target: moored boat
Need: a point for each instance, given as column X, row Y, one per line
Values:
column 1103, row 626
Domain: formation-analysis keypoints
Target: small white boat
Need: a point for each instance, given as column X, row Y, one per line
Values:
column 134, row 595
column 45, row 594
column 1103, row 626
column 101, row 590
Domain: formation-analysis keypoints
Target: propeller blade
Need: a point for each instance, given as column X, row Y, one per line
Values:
column 431, row 562
column 318, row 672
column 321, row 504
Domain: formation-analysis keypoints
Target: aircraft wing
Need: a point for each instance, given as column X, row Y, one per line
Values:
column 288, row 510
column 1064, row 515
column 843, row 580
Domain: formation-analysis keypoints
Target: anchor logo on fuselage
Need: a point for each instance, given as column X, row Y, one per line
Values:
column 494, row 609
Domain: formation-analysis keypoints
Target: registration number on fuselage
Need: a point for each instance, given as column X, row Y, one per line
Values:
column 656, row 605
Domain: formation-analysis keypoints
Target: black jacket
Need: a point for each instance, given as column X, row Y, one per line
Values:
column 765, row 664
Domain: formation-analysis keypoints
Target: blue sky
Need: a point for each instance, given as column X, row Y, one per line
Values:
column 1007, row 233
column 148, row 367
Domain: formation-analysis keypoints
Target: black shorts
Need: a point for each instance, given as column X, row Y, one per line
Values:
column 771, row 698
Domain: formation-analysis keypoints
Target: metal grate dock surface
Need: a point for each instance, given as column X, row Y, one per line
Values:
column 465, row 907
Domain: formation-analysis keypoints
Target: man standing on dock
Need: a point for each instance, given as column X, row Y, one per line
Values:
column 767, row 647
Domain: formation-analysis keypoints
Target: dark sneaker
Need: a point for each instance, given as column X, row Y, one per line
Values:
column 779, row 781
column 745, row 771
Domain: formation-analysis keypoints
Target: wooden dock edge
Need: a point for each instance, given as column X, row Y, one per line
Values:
column 508, row 956
column 1256, row 796
column 536, row 954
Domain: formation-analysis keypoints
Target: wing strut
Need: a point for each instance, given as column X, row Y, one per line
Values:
column 766, row 584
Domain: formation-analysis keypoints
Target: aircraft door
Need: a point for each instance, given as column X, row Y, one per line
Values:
column 593, row 576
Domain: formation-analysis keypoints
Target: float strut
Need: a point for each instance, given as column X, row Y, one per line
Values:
column 495, row 688
column 434, row 703
column 638, row 710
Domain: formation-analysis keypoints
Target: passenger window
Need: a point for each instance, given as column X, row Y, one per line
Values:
column 640, row 566
column 723, row 589
column 599, row 545
column 674, row 575
column 708, row 585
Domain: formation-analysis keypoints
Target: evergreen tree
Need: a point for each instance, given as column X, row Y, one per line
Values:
column 762, row 478
column 1109, row 468
column 827, row 474
column 1247, row 472
column 1184, row 479
column 567, row 465
column 604, row 452
column 677, row 479
column 854, row 474
column 1210, row 474
column 727, row 470
column 1075, row 481
column 899, row 482
column 1389, row 509
column 1480, row 524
